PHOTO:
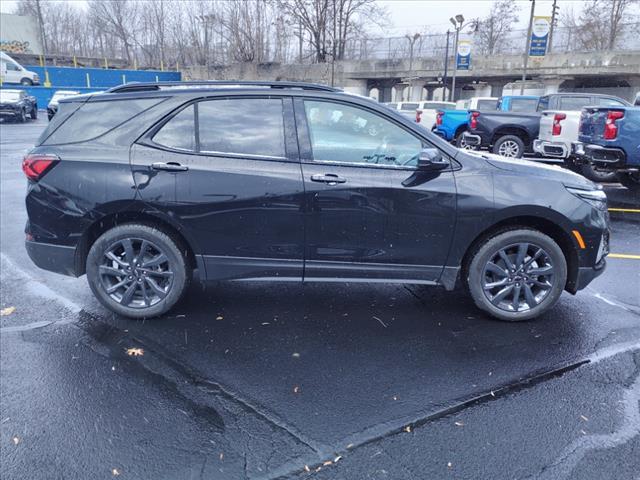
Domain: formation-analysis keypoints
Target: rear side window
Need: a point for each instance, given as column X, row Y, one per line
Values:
column 543, row 104
column 609, row 102
column 487, row 104
column 242, row 126
column 523, row 104
column 574, row 103
column 179, row 132
column 94, row 119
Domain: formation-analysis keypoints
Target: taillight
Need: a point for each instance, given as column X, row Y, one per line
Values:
column 557, row 128
column 36, row 165
column 474, row 120
column 610, row 127
column 418, row 116
column 439, row 118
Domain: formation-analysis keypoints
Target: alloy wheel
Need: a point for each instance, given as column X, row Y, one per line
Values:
column 509, row 148
column 136, row 273
column 518, row 277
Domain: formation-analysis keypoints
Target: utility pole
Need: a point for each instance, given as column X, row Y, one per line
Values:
column 300, row 41
column 526, row 53
column 554, row 21
column 457, row 23
column 44, row 45
column 412, row 41
column 446, row 64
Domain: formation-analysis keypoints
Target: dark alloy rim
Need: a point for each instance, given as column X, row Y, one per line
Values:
column 136, row 273
column 518, row 277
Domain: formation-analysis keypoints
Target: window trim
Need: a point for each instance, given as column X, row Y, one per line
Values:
column 304, row 135
column 291, row 153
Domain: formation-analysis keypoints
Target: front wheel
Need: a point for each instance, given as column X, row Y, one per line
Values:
column 517, row 274
column 137, row 271
column 26, row 82
column 509, row 146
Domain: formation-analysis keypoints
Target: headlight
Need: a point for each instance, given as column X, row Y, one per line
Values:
column 595, row 198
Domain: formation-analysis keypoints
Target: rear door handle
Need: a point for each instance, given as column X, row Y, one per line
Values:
column 169, row 166
column 330, row 178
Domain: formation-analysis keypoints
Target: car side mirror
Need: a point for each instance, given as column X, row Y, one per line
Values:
column 431, row 159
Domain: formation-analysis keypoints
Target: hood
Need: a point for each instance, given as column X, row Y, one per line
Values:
column 537, row 169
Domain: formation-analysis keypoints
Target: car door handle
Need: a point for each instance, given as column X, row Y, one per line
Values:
column 329, row 178
column 169, row 166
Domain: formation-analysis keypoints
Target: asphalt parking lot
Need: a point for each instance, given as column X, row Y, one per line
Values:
column 323, row 381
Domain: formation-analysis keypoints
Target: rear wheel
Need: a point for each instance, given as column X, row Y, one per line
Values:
column 517, row 274
column 461, row 143
column 26, row 82
column 23, row 116
column 631, row 181
column 137, row 271
column 595, row 174
column 34, row 113
column 509, row 146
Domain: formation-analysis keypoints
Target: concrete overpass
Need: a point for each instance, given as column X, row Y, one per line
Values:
column 595, row 71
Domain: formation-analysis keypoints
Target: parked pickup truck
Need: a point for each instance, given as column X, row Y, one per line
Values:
column 427, row 112
column 17, row 105
column 558, row 131
column 609, row 138
column 511, row 134
column 451, row 124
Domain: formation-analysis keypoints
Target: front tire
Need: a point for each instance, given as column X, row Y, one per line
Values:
column 26, row 82
column 509, row 146
column 137, row 271
column 590, row 171
column 516, row 274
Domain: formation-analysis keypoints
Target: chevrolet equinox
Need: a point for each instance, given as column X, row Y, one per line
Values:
column 147, row 186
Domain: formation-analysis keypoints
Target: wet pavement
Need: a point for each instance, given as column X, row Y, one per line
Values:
column 329, row 381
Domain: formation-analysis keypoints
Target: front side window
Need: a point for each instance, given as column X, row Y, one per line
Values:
column 179, row 132
column 609, row 102
column 341, row 133
column 242, row 126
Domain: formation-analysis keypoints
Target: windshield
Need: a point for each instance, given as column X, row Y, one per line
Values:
column 60, row 95
column 7, row 96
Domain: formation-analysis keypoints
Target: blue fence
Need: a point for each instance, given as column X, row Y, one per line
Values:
column 87, row 80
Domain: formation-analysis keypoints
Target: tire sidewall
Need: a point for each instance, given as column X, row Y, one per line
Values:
column 501, row 140
column 490, row 247
column 588, row 171
column 168, row 247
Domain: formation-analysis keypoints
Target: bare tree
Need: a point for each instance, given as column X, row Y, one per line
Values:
column 493, row 30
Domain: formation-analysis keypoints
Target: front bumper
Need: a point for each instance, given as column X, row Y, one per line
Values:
column 55, row 258
column 550, row 149
column 9, row 112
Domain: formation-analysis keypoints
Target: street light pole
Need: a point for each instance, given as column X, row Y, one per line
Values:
column 412, row 41
column 528, row 47
column 446, row 64
column 457, row 23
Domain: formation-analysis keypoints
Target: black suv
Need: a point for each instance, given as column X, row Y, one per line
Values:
column 148, row 185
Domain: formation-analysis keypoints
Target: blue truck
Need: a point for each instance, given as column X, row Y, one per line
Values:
column 451, row 124
column 609, row 139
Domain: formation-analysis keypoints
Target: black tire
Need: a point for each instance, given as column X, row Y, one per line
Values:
column 631, row 181
column 512, row 146
column 22, row 118
column 26, row 82
column 524, row 283
column 139, row 279
column 34, row 113
column 588, row 170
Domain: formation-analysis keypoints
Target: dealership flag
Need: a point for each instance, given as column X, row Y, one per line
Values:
column 539, row 36
column 463, row 58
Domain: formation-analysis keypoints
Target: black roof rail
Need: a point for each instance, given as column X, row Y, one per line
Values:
column 151, row 86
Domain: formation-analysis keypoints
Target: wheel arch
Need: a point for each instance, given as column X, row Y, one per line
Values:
column 544, row 225
column 112, row 220
column 519, row 132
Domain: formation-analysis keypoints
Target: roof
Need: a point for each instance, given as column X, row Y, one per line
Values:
column 215, row 85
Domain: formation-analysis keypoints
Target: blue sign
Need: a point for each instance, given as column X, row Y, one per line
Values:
column 539, row 36
column 463, row 56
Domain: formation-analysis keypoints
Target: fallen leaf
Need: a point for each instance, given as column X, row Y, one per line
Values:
column 16, row 440
column 407, row 429
column 449, row 464
column 219, row 317
column 584, row 418
column 583, row 432
column 306, row 468
column 493, row 394
column 295, row 355
column 327, row 463
column 395, row 398
column 221, row 456
column 459, row 424
column 7, row 311
column 296, row 389
column 350, row 446
column 335, row 460
column 115, row 472
column 265, row 323
column 135, row 352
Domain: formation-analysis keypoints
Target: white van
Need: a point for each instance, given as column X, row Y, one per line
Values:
column 12, row 72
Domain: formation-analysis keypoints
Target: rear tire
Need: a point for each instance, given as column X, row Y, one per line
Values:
column 588, row 170
column 34, row 113
column 509, row 146
column 461, row 143
column 23, row 116
column 137, row 271
column 517, row 274
column 26, row 82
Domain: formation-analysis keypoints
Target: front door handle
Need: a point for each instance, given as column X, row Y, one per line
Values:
column 169, row 166
column 329, row 178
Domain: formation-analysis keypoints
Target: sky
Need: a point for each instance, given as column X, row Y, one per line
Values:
column 409, row 16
